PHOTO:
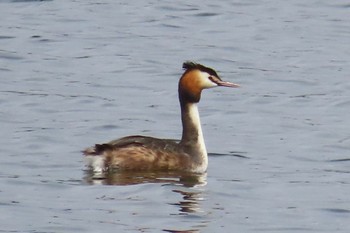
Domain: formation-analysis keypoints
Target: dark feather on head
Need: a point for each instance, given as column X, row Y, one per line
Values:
column 189, row 65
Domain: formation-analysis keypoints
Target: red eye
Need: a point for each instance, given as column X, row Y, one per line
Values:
column 213, row 79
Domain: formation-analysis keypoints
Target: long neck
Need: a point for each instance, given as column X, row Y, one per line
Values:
column 192, row 130
column 192, row 136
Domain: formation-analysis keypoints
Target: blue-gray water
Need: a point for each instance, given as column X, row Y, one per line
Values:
column 75, row 73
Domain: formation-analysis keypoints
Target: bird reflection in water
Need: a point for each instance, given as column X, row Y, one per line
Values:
column 188, row 206
column 132, row 178
column 185, row 184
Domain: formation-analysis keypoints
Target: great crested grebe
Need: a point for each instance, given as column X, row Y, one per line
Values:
column 142, row 153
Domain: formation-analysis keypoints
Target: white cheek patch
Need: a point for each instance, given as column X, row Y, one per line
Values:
column 205, row 80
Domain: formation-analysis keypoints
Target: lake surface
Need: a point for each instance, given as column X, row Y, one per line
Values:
column 75, row 73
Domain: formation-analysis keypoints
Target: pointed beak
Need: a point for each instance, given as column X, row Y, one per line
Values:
column 226, row 84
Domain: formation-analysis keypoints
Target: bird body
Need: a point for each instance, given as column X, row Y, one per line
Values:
column 142, row 153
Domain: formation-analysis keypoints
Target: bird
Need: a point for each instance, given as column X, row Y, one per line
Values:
column 145, row 153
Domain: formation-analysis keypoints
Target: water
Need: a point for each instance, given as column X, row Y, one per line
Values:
column 74, row 73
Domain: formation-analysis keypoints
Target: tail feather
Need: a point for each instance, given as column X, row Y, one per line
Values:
column 98, row 149
column 95, row 163
column 89, row 151
column 94, row 157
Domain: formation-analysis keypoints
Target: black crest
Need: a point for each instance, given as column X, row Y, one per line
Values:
column 189, row 65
